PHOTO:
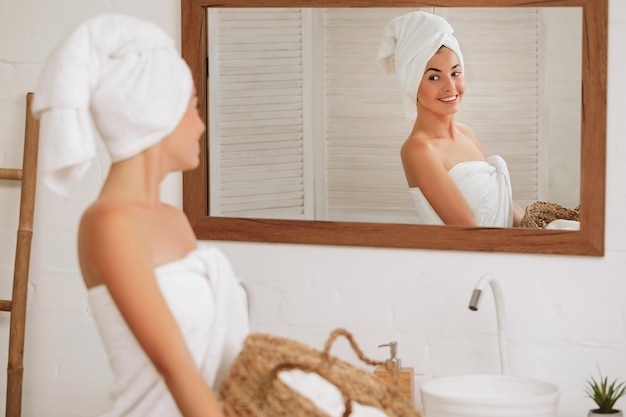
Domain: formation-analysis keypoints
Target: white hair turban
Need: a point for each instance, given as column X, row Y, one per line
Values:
column 409, row 42
column 119, row 74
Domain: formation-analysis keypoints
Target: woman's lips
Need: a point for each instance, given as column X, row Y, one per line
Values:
column 450, row 99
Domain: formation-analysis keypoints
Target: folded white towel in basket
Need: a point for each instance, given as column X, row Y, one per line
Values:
column 324, row 394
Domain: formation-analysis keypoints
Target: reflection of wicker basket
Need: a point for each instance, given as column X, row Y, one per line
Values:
column 252, row 389
column 540, row 213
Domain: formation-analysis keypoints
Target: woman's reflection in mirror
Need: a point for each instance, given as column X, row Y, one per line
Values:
column 450, row 178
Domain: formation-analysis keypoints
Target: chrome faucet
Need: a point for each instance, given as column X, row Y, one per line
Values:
column 500, row 316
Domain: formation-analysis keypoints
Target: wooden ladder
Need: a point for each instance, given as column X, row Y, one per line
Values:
column 17, row 305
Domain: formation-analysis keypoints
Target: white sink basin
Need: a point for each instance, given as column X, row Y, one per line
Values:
column 489, row 396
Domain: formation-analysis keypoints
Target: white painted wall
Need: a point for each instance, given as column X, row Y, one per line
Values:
column 566, row 314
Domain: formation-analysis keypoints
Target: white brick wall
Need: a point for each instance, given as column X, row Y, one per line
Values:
column 565, row 314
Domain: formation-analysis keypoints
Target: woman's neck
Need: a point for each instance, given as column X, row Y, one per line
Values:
column 135, row 180
column 435, row 126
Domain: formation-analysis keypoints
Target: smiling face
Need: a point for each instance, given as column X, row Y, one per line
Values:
column 442, row 87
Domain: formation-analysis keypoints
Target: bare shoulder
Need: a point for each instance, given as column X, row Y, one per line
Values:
column 420, row 161
column 175, row 212
column 107, row 234
column 179, row 217
column 469, row 133
column 101, row 218
column 416, row 148
column 415, row 145
column 465, row 129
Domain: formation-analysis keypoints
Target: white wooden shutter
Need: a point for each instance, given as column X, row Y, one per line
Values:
column 256, row 96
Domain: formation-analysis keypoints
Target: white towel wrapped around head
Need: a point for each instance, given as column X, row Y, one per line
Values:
column 119, row 74
column 409, row 42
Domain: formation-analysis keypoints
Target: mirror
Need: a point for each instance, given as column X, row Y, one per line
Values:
column 306, row 125
column 587, row 241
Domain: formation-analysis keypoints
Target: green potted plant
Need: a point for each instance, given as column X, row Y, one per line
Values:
column 605, row 395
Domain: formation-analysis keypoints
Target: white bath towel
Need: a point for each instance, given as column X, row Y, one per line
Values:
column 486, row 186
column 325, row 395
column 409, row 41
column 210, row 308
column 563, row 224
column 121, row 74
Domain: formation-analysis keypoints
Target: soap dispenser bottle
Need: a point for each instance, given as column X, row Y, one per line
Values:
column 404, row 375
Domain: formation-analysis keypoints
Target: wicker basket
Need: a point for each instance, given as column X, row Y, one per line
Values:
column 540, row 213
column 252, row 388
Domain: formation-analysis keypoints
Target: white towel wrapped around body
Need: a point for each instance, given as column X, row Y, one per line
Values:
column 210, row 307
column 116, row 74
column 409, row 42
column 485, row 185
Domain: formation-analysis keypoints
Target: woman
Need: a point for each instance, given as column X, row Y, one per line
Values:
column 170, row 311
column 450, row 179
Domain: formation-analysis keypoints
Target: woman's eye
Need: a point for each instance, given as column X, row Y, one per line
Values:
column 433, row 77
column 456, row 73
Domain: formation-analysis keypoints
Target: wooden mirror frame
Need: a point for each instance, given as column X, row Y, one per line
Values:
column 589, row 240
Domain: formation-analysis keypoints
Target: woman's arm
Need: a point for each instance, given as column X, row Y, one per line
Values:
column 424, row 169
column 113, row 250
column 518, row 214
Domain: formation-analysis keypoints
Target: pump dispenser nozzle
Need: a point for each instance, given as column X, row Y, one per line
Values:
column 393, row 350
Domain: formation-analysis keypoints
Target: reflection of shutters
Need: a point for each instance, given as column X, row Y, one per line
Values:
column 256, row 112
column 365, row 122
